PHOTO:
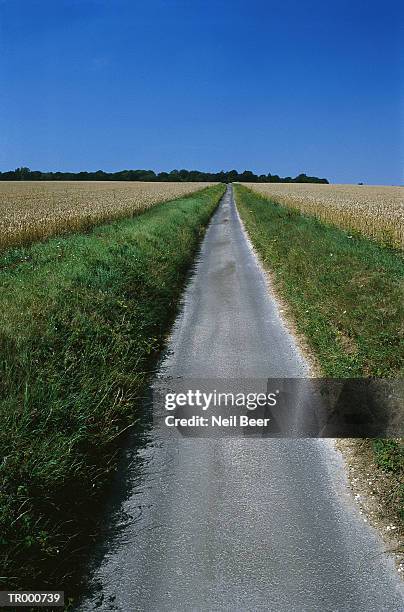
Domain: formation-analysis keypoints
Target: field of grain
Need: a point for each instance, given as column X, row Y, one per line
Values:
column 375, row 211
column 31, row 210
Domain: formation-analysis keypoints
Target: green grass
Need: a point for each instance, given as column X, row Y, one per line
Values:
column 389, row 457
column 389, row 454
column 345, row 295
column 344, row 292
column 82, row 320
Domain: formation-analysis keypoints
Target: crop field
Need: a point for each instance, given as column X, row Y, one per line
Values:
column 31, row 210
column 375, row 211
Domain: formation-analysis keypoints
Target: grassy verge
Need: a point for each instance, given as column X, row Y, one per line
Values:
column 81, row 319
column 345, row 296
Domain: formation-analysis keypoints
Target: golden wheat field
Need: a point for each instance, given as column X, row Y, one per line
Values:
column 375, row 211
column 31, row 210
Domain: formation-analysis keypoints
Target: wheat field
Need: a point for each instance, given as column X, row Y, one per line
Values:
column 32, row 210
column 375, row 211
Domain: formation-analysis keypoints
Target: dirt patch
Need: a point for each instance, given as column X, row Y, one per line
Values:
column 347, row 343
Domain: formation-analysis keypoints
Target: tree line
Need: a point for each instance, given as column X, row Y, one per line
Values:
column 25, row 174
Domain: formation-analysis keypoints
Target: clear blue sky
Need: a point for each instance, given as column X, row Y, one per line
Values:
column 280, row 86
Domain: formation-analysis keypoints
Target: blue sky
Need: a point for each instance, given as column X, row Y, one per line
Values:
column 282, row 87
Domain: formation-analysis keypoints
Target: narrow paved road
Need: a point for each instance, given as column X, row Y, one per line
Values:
column 239, row 524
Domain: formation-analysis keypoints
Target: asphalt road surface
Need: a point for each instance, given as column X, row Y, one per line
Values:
column 238, row 523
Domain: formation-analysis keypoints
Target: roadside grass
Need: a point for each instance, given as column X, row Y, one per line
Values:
column 344, row 294
column 82, row 320
column 388, row 455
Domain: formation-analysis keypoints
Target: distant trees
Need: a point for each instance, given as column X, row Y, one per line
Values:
column 231, row 176
column 23, row 174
